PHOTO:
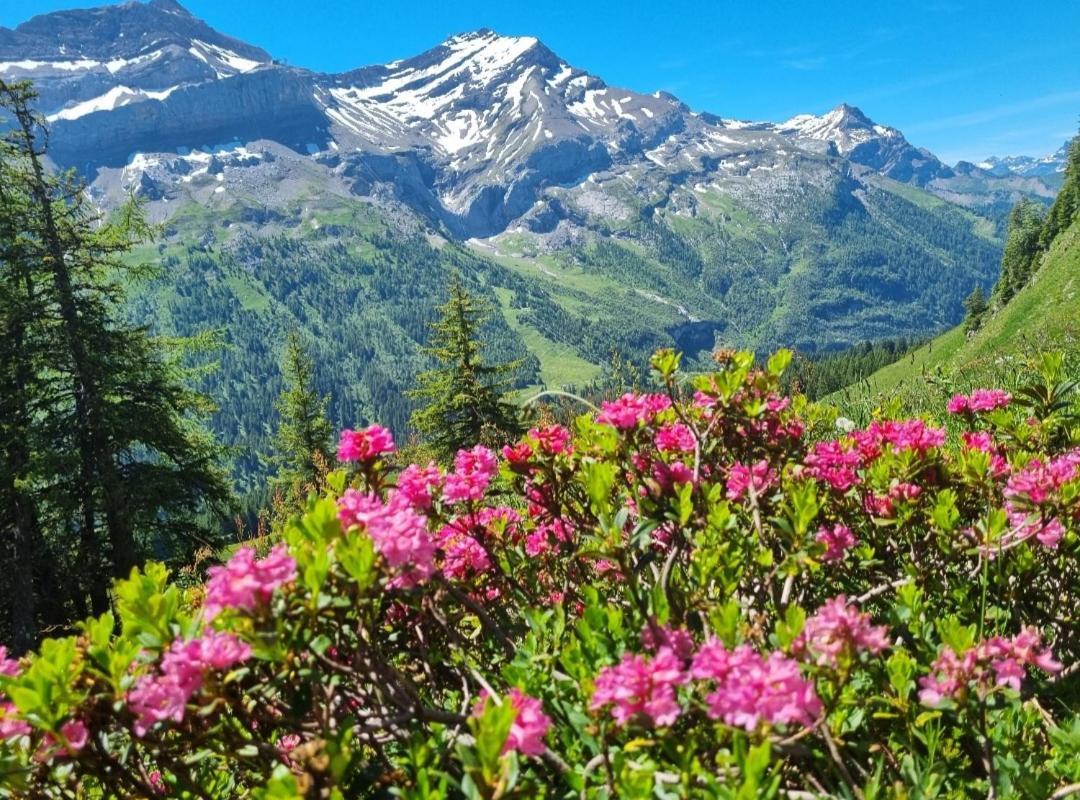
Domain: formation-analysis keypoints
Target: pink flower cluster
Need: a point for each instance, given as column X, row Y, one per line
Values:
column 463, row 555
column 530, row 723
column 1024, row 525
column 529, row 727
column 9, row 667
column 836, row 463
column 548, row 535
column 655, row 638
column 12, row 725
column 417, row 485
column 993, row 662
column 244, row 582
column 753, row 479
column 912, row 434
column 631, row 409
column 675, row 437
column 400, row 534
column 364, row 445
column 164, row 695
column 73, row 737
column 838, row 539
column 640, row 688
column 838, row 631
column 751, row 688
column 884, row 505
column 552, row 440
column 473, row 471
column 980, row 400
column 1038, row 481
column 984, row 442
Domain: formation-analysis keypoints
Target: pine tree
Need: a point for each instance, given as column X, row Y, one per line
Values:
column 1021, row 250
column 22, row 544
column 1066, row 207
column 117, row 465
column 975, row 306
column 464, row 399
column 302, row 441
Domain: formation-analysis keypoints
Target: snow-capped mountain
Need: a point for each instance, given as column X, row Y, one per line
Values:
column 860, row 139
column 479, row 134
column 100, row 59
column 1027, row 166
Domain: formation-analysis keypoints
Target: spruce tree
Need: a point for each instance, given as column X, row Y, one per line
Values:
column 975, row 306
column 116, row 465
column 22, row 543
column 1021, row 251
column 1066, row 206
column 464, row 401
column 302, row 441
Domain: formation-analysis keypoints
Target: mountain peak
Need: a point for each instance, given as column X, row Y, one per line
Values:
column 851, row 116
column 170, row 7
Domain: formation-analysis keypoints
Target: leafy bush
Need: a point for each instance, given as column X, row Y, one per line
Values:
column 705, row 592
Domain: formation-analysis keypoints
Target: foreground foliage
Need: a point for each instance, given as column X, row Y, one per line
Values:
column 703, row 592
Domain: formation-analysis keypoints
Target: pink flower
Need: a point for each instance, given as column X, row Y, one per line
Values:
column 640, row 688
column 750, row 689
column 518, row 456
column 11, row 725
column 163, row 696
column 839, row 630
column 912, row 434
column 743, row 479
column 530, row 725
column 959, row 404
column 704, row 400
column 667, row 475
column 979, row 401
column 416, row 484
column 553, row 439
column 994, row 662
column 835, row 463
column 473, row 471
column 1038, row 482
column 365, row 445
column 1023, row 525
column 157, row 782
column 244, row 583
column 978, row 440
column 9, row 667
column 674, row 437
column 287, row 743
column 656, row 637
column 75, row 734
column 989, row 399
column 838, row 539
column 463, row 556
column 631, row 409
column 400, row 534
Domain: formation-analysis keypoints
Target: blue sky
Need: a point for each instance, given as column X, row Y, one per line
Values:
column 965, row 78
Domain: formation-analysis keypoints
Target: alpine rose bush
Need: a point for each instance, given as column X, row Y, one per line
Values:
column 704, row 591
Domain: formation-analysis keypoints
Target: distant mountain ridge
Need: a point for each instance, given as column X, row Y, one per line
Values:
column 1027, row 165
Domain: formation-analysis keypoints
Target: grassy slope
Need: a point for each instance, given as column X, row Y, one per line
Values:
column 1044, row 315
